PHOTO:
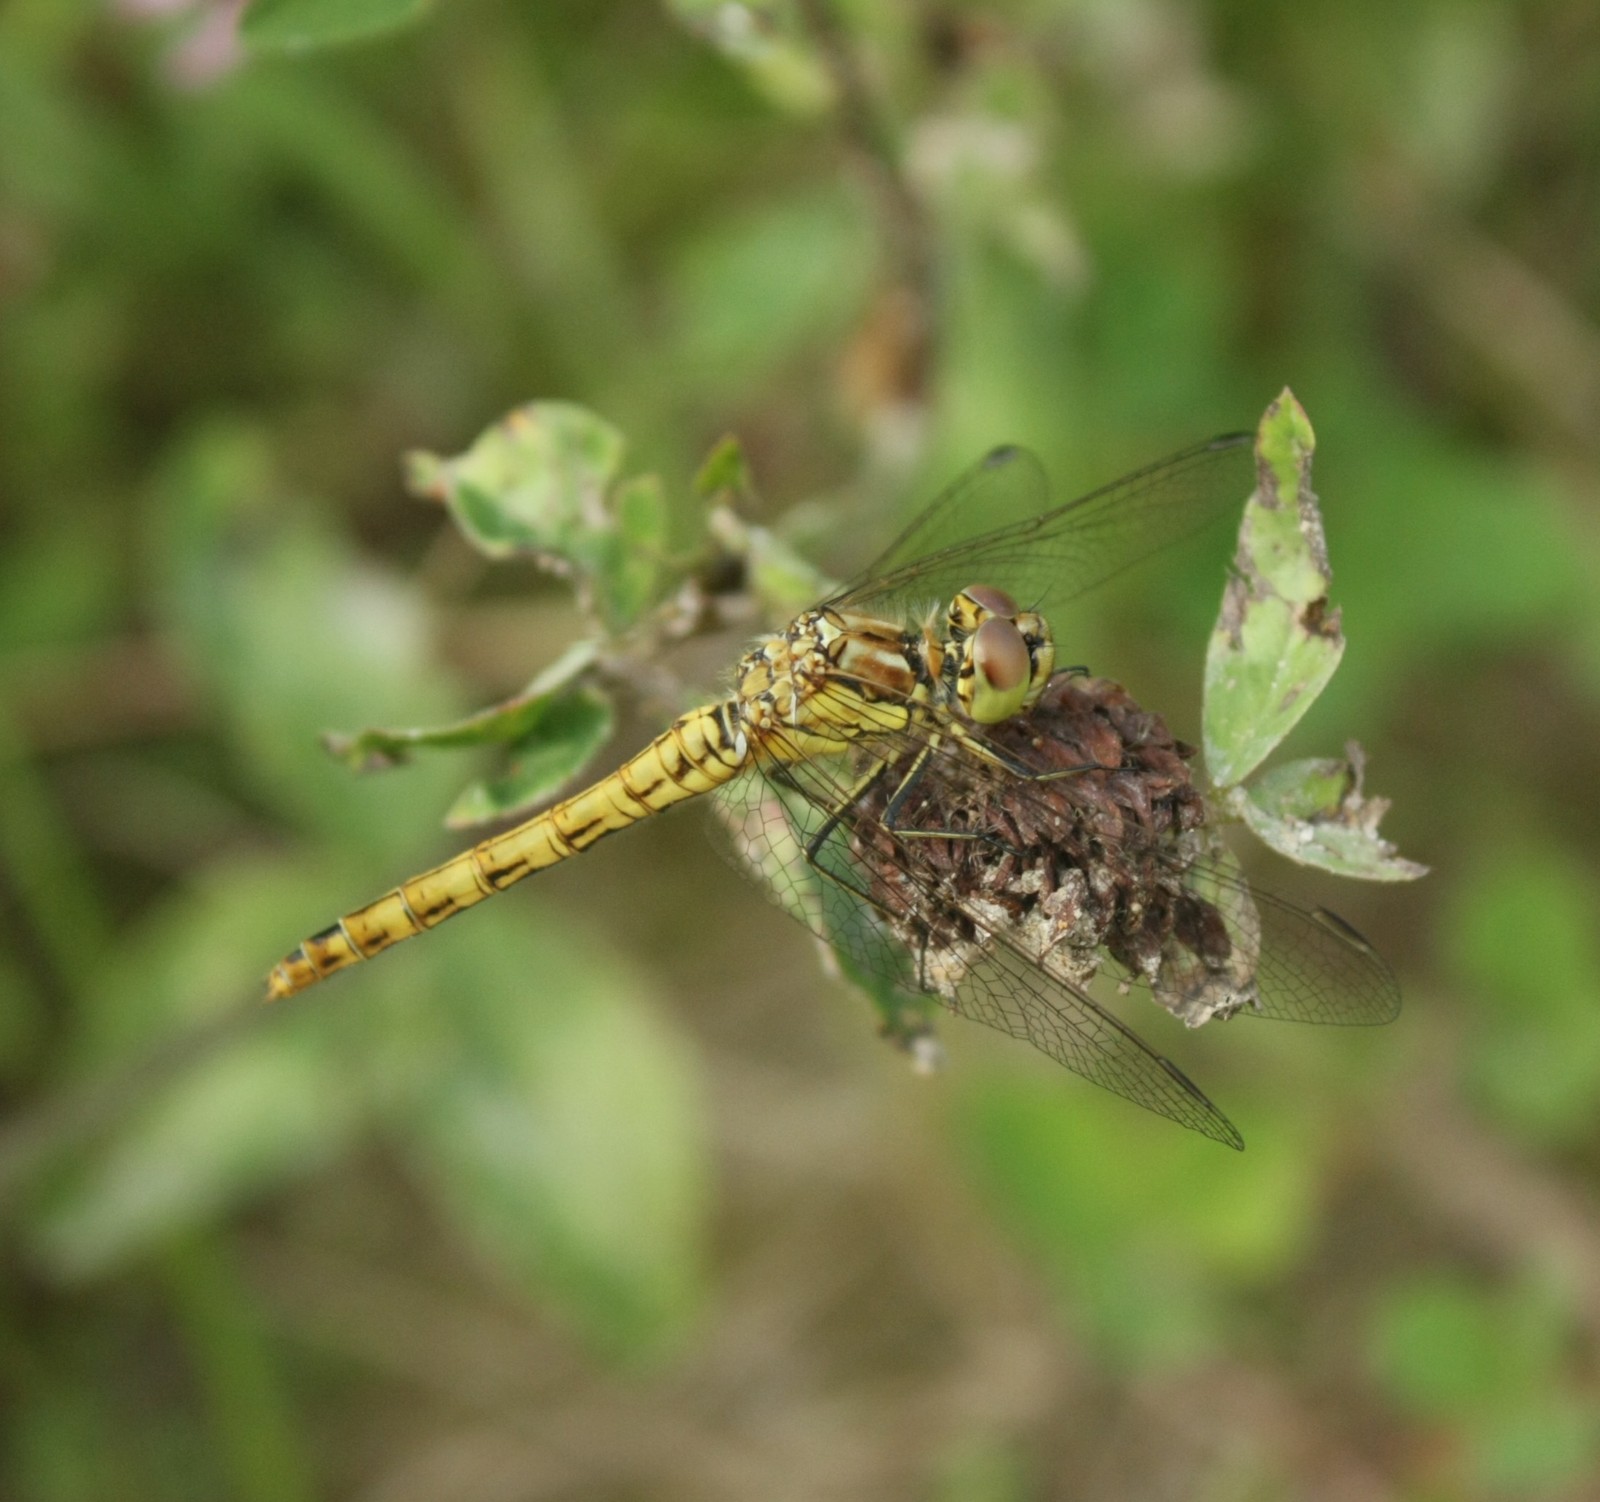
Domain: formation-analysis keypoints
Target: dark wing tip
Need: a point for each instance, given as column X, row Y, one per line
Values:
column 1212, row 1122
column 1345, row 929
column 1385, row 988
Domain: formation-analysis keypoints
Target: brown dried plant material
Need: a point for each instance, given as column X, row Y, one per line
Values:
column 1113, row 859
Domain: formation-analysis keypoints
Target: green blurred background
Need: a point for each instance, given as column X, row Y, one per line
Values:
column 607, row 1191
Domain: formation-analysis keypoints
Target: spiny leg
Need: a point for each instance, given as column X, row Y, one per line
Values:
column 908, row 785
column 835, row 815
column 1020, row 770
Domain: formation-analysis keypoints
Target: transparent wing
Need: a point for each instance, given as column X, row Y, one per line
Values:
column 1314, row 967
column 1174, row 912
column 767, row 823
column 801, row 821
column 1308, row 964
column 995, row 526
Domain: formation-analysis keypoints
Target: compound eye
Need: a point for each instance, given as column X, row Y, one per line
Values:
column 1002, row 671
column 1001, row 655
column 995, row 601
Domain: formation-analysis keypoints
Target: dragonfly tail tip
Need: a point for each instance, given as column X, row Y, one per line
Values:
column 291, row 974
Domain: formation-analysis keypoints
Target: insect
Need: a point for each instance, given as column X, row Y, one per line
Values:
column 916, row 781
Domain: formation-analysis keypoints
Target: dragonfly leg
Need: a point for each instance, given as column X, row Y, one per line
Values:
column 908, row 785
column 837, row 813
column 891, row 810
column 1020, row 770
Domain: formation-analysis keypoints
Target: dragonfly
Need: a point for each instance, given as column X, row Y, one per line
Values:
column 916, row 699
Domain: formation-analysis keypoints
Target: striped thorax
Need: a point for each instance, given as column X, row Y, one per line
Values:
column 831, row 679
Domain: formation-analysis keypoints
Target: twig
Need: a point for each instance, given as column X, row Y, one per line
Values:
column 868, row 135
column 1535, row 343
column 905, row 226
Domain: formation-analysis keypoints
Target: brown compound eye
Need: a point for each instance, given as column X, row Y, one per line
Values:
column 995, row 601
column 1001, row 655
column 1002, row 672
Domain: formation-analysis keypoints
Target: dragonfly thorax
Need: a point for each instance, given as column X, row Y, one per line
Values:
column 833, row 676
column 998, row 658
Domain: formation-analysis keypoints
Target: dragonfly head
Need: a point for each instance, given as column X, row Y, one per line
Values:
column 999, row 657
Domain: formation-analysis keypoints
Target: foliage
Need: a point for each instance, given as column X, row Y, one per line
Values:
column 408, row 1230
column 302, row 25
column 1272, row 652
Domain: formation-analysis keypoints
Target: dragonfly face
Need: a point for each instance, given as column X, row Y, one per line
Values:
column 999, row 657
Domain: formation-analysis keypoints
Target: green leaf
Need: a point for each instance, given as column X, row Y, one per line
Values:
column 725, row 473
column 561, row 1131
column 760, row 36
column 783, row 582
column 1315, row 813
column 765, row 843
column 1545, row 1447
column 1145, row 1254
column 508, row 722
column 1438, row 1346
column 1519, row 932
column 905, row 1020
column 528, row 485
column 543, row 483
column 267, row 1104
column 303, row 25
column 268, row 1110
column 280, row 624
column 627, row 576
column 754, row 291
column 1277, row 641
column 561, row 741
column 553, row 728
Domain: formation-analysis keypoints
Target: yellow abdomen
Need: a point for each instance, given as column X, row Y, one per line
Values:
column 699, row 751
